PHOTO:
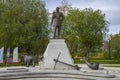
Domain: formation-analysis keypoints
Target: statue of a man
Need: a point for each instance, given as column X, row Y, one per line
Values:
column 57, row 19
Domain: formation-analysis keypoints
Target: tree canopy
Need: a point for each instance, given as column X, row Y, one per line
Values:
column 84, row 29
column 23, row 23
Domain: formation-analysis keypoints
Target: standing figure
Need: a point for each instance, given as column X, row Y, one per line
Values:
column 57, row 19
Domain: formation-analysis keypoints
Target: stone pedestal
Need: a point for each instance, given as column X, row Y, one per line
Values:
column 53, row 49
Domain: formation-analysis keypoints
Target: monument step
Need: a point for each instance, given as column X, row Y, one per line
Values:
column 14, row 70
column 56, row 74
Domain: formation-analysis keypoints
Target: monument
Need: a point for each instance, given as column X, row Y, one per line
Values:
column 57, row 55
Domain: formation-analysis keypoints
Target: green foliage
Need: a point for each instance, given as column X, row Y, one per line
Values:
column 77, row 61
column 84, row 30
column 106, row 55
column 24, row 23
column 114, row 46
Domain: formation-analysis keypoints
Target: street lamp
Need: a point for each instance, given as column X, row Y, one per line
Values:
column 109, row 44
column 103, row 46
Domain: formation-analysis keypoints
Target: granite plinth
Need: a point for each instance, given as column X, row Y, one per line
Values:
column 53, row 49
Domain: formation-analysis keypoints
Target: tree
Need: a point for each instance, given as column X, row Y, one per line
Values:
column 65, row 7
column 87, row 27
column 115, row 47
column 24, row 24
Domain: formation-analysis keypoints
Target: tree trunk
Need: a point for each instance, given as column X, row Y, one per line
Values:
column 87, row 52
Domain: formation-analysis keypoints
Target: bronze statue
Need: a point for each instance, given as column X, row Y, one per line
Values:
column 57, row 19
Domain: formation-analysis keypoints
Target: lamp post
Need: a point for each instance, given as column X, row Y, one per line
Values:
column 109, row 49
column 109, row 46
column 103, row 46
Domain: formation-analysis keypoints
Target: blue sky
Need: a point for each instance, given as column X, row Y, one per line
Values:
column 109, row 7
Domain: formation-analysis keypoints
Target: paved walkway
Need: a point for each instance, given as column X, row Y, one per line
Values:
column 109, row 70
column 84, row 69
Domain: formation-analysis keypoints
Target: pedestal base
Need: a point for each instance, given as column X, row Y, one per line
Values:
column 55, row 47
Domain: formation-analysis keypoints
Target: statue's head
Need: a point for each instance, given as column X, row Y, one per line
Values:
column 57, row 9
